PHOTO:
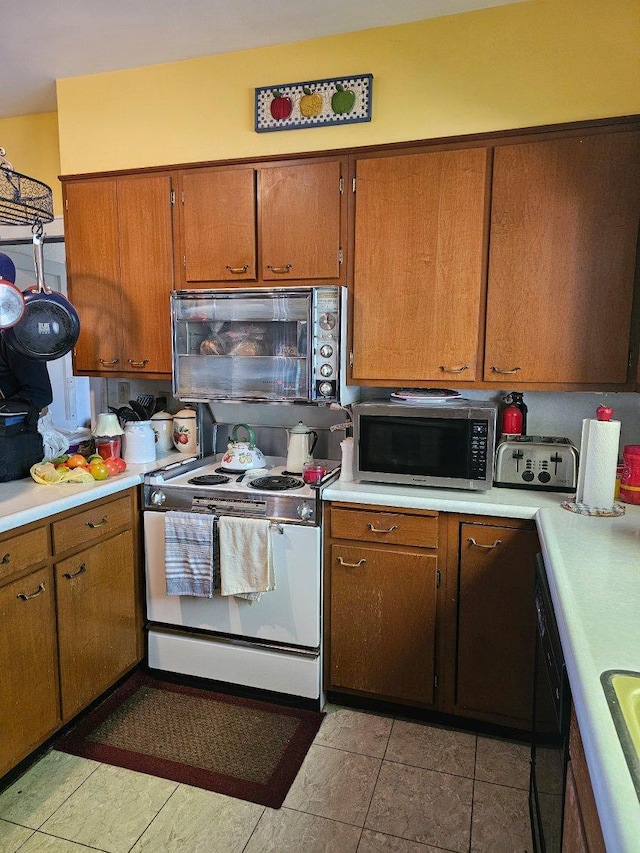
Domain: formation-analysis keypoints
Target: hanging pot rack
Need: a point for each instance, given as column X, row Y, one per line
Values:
column 23, row 200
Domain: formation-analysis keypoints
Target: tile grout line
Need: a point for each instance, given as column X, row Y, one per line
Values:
column 154, row 817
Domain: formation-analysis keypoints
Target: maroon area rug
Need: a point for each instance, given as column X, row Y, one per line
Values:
column 241, row 747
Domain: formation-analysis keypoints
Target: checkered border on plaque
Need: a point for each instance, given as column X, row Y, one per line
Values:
column 312, row 103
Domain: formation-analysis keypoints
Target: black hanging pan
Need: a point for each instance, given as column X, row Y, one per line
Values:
column 49, row 327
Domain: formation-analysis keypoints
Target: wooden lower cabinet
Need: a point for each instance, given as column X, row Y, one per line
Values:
column 70, row 617
column 96, row 620
column 491, row 576
column 382, row 594
column 581, row 832
column 29, row 707
column 432, row 610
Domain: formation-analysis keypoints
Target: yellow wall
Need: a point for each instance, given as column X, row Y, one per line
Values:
column 537, row 62
column 31, row 143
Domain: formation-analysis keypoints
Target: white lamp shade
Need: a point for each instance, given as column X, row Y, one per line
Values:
column 107, row 424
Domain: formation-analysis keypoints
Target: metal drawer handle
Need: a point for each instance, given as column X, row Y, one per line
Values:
column 238, row 270
column 23, row 596
column 94, row 524
column 5, row 559
column 504, row 370
column 105, row 363
column 453, row 369
column 285, row 268
column 379, row 530
column 487, row 547
column 138, row 363
column 351, row 565
column 70, row 575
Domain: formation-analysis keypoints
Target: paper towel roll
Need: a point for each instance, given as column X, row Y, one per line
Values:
column 598, row 462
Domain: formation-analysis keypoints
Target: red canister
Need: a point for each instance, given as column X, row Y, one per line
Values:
column 511, row 420
column 630, row 480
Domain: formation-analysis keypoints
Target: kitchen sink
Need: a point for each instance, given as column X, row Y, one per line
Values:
column 622, row 689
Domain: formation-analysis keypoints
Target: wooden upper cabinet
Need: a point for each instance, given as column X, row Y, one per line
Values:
column 119, row 243
column 266, row 224
column 564, row 232
column 219, row 225
column 420, row 234
column 299, row 217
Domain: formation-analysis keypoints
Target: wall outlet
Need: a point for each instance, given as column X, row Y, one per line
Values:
column 123, row 393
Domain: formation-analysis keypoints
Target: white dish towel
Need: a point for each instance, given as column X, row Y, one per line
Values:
column 189, row 542
column 246, row 565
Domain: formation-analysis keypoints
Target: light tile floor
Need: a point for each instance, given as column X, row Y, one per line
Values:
column 369, row 784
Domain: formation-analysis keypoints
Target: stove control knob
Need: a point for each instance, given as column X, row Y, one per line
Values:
column 305, row 512
column 158, row 497
column 325, row 389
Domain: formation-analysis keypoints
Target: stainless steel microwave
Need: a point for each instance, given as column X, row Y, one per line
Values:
column 451, row 445
column 261, row 344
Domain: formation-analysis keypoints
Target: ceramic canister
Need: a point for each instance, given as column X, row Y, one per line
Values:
column 139, row 442
column 185, row 431
column 162, row 425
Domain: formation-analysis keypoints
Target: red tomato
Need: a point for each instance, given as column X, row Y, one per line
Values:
column 76, row 460
column 112, row 466
column 122, row 465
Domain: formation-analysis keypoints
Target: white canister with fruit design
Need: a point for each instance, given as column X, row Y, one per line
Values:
column 162, row 425
column 185, row 437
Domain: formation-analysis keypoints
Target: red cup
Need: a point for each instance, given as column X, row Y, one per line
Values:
column 107, row 447
column 313, row 472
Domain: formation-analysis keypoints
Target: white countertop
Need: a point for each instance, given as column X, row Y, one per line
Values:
column 593, row 566
column 24, row 501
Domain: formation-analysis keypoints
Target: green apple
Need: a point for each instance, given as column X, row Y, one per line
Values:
column 343, row 100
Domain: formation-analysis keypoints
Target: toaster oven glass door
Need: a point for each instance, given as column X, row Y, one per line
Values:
column 427, row 447
column 242, row 347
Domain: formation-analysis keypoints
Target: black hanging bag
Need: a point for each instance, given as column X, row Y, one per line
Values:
column 20, row 442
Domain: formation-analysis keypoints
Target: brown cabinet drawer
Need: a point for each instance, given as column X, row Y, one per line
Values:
column 385, row 528
column 24, row 550
column 92, row 524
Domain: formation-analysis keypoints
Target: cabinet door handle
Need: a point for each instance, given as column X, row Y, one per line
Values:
column 6, row 558
column 94, row 524
column 24, row 596
column 285, row 268
column 351, row 565
column 453, row 369
column 238, row 270
column 472, row 541
column 380, row 530
column 138, row 363
column 105, row 363
column 70, row 575
column 504, row 369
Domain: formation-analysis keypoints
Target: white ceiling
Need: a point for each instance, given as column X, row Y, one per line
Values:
column 43, row 40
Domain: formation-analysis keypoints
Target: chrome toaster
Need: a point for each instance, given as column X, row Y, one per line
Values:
column 540, row 462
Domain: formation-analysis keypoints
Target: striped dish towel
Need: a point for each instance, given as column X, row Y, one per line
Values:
column 189, row 542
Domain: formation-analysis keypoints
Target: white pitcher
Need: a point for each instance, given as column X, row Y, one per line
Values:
column 299, row 451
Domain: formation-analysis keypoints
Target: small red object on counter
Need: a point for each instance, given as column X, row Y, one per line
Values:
column 313, row 472
column 630, row 480
column 604, row 413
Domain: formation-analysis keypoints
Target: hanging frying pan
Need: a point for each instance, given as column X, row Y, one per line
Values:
column 49, row 327
column 11, row 299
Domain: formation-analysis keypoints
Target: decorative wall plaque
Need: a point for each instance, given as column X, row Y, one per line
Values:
column 313, row 103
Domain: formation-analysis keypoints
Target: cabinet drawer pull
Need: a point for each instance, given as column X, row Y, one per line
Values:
column 351, row 565
column 472, row 541
column 24, row 596
column 94, row 524
column 380, row 530
column 504, row 369
column 138, row 363
column 285, row 268
column 70, row 575
column 238, row 270
column 453, row 369
column 106, row 363
column 6, row 558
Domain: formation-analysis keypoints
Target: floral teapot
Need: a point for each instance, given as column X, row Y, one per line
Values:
column 242, row 455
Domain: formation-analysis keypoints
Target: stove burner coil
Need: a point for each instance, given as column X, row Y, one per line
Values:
column 209, row 480
column 275, row 483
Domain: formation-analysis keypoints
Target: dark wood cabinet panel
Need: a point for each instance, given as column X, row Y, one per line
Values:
column 420, row 243
column 562, row 261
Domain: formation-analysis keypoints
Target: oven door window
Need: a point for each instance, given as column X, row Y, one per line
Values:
column 434, row 447
column 243, row 348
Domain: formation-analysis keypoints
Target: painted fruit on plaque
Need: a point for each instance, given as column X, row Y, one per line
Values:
column 310, row 103
column 281, row 106
column 343, row 100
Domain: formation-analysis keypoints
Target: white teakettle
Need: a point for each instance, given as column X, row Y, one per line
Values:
column 299, row 452
column 242, row 455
